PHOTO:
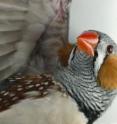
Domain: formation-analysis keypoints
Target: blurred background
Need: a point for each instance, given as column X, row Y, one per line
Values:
column 93, row 14
column 98, row 15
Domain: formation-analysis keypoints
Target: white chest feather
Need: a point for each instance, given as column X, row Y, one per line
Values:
column 53, row 109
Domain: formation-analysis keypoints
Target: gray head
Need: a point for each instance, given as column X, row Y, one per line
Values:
column 91, row 74
column 96, row 51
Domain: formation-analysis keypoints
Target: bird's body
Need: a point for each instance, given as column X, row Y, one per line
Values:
column 76, row 95
column 45, row 102
column 44, row 111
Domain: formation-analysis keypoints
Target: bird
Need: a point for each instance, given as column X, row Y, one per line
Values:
column 80, row 90
column 22, row 24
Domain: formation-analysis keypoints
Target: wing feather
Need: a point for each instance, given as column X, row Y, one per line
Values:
column 12, row 21
column 21, row 24
column 45, row 55
column 4, row 61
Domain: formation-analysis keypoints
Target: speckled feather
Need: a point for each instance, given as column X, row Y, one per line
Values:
column 38, row 99
column 24, row 85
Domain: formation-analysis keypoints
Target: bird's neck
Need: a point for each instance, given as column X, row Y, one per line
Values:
column 83, row 88
column 82, row 65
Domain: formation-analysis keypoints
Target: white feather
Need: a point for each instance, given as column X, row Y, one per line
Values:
column 101, row 50
column 53, row 109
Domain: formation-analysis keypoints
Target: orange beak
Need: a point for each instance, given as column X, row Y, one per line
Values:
column 88, row 41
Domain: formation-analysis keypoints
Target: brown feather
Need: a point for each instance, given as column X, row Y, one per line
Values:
column 64, row 54
column 107, row 75
column 23, row 85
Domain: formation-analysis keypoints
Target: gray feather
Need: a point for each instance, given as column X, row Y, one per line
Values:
column 21, row 25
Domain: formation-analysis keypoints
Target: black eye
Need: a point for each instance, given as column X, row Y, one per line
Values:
column 109, row 49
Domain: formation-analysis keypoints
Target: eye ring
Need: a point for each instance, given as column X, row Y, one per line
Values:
column 109, row 49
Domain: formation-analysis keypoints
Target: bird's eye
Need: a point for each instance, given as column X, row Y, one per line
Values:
column 109, row 49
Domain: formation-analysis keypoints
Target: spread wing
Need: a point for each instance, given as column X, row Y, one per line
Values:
column 45, row 56
column 21, row 23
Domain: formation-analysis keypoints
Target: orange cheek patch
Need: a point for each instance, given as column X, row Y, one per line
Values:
column 107, row 75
